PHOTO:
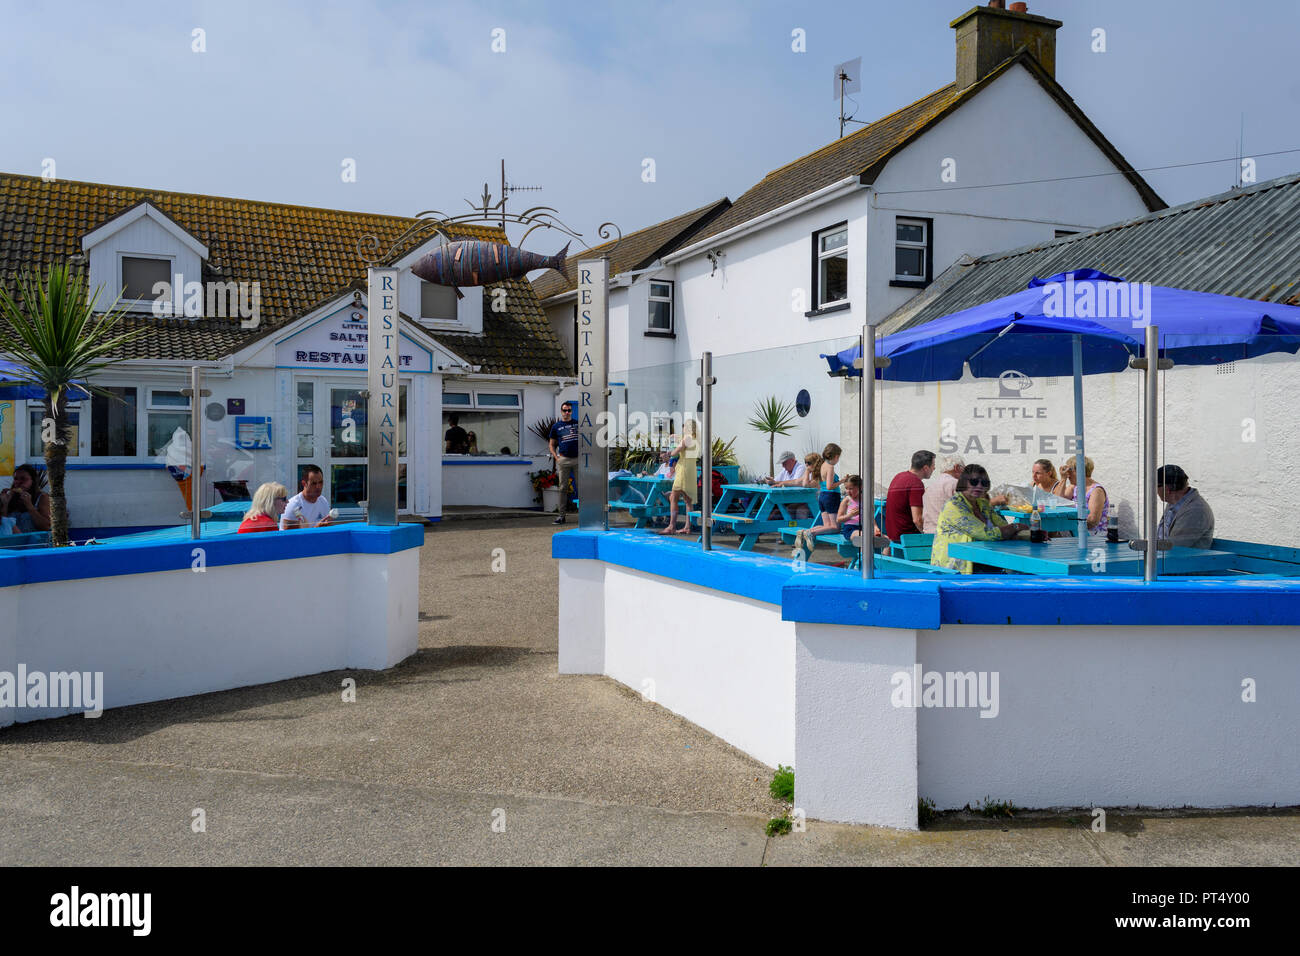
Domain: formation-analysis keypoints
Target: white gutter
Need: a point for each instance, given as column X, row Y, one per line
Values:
column 826, row 194
column 619, row 281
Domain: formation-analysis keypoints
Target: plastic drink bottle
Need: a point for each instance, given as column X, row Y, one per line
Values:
column 1036, row 534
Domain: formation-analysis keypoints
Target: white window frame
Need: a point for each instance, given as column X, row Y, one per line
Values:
column 822, row 255
column 671, row 299
column 151, row 407
column 36, row 455
column 923, row 245
column 474, row 406
column 146, row 305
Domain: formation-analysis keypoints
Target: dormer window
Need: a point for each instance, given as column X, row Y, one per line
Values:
column 140, row 274
column 437, row 302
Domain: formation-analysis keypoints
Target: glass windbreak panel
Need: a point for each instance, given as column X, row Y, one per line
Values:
column 910, row 262
column 347, row 485
column 38, row 429
column 306, row 422
column 648, row 415
column 347, row 423
column 113, row 423
column 401, row 425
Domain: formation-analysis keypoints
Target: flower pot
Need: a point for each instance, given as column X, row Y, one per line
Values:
column 550, row 499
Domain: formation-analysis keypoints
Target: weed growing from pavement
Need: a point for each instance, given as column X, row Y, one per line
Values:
column 997, row 808
column 925, row 812
column 782, row 786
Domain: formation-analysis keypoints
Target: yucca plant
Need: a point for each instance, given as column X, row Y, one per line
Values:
column 542, row 429
column 56, row 340
column 724, row 453
column 772, row 417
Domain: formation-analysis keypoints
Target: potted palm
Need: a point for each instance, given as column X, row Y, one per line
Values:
column 57, row 343
column 772, row 417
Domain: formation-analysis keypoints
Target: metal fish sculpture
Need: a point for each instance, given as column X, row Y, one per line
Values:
column 470, row 262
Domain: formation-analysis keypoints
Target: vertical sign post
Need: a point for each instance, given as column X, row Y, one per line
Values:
column 382, row 406
column 593, row 392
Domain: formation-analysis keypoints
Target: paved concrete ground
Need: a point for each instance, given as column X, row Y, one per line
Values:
column 478, row 729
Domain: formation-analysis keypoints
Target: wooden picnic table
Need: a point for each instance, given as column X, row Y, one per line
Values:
column 642, row 497
column 1064, row 556
column 753, row 510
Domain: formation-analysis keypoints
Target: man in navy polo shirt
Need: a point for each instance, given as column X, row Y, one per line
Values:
column 564, row 449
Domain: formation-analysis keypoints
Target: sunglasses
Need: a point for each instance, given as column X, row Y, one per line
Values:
column 977, row 482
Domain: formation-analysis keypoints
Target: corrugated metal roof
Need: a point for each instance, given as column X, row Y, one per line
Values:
column 1244, row 242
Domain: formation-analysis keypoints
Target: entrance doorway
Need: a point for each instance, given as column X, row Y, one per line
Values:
column 332, row 435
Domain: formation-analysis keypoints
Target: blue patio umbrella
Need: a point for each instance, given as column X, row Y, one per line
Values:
column 14, row 384
column 1081, row 322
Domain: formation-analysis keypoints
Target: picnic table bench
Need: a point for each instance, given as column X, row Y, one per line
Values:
column 643, row 498
column 754, row 510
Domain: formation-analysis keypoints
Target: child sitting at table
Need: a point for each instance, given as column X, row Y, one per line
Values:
column 828, row 500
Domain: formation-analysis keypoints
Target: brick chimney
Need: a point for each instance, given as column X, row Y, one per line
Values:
column 988, row 35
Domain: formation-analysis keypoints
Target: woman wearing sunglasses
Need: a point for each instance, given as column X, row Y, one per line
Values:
column 968, row 516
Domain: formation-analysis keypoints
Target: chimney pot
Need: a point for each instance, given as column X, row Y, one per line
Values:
column 987, row 36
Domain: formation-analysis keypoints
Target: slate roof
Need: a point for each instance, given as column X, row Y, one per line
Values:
column 1244, row 242
column 635, row 251
column 302, row 256
column 865, row 152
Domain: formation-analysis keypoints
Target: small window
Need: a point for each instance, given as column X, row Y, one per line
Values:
column 140, row 275
column 455, row 398
column 911, row 250
column 661, row 307
column 803, row 403
column 36, row 417
column 831, row 268
column 437, row 302
column 163, row 398
column 493, row 398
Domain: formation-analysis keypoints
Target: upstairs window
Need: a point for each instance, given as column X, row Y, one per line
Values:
column 660, row 318
column 913, row 252
column 140, row 275
column 831, row 267
column 437, row 302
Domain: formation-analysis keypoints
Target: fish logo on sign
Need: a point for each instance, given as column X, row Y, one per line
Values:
column 1011, row 383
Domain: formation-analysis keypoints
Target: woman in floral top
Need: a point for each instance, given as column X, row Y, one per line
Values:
column 968, row 516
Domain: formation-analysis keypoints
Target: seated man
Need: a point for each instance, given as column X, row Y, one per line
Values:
column 308, row 508
column 1188, row 521
column 790, row 475
column 666, row 465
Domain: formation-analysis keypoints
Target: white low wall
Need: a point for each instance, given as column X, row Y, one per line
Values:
column 175, row 633
column 490, row 483
column 721, row 661
column 1116, row 716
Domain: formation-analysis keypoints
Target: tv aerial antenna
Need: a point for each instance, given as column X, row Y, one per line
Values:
column 848, row 79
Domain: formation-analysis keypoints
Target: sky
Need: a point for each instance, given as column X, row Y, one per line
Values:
column 577, row 96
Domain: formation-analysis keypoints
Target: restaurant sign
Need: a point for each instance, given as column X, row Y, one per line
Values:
column 382, row 372
column 341, row 340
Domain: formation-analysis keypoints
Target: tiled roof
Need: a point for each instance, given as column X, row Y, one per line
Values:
column 302, row 256
column 635, row 251
column 1245, row 242
column 865, row 152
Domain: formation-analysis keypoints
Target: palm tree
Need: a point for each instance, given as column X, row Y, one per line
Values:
column 56, row 340
column 772, row 417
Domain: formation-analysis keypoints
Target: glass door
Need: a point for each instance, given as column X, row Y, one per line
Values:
column 340, row 435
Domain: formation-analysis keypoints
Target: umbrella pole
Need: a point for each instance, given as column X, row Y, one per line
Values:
column 867, row 442
column 1149, row 384
column 1080, row 474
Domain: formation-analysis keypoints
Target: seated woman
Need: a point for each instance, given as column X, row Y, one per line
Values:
column 1098, row 500
column 267, row 507
column 969, row 516
column 1044, row 476
column 25, row 502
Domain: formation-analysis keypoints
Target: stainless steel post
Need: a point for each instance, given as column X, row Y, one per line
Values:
column 1150, row 499
column 593, row 394
column 1080, row 472
column 196, row 452
column 706, row 482
column 867, row 441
